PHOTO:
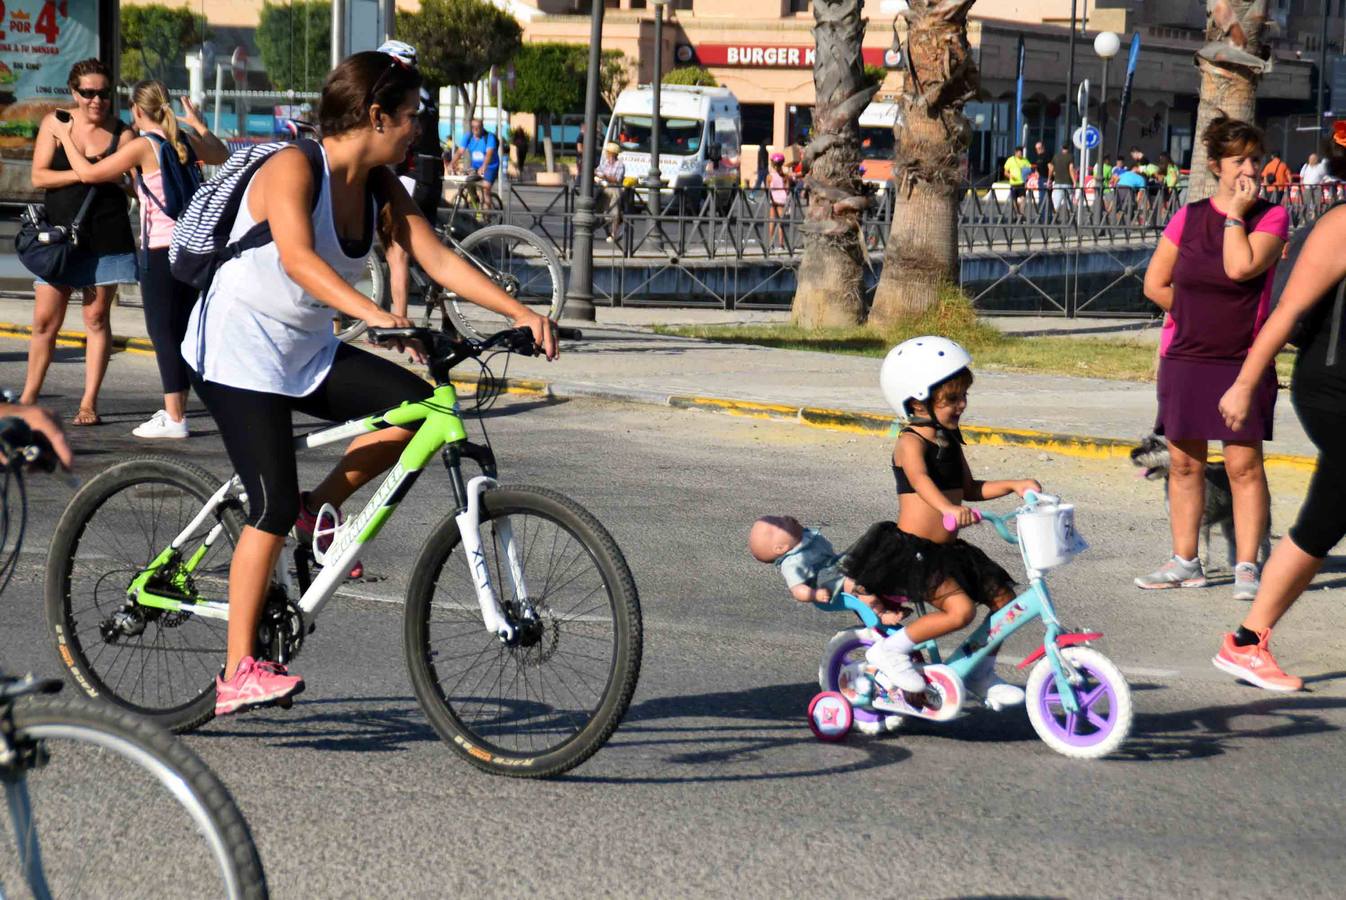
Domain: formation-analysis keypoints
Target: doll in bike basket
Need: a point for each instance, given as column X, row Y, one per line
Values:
column 926, row 381
column 810, row 567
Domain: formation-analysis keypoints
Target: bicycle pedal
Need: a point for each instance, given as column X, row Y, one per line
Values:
column 285, row 702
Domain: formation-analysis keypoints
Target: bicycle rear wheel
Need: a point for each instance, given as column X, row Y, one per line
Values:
column 522, row 264
column 548, row 703
column 116, row 807
column 154, row 662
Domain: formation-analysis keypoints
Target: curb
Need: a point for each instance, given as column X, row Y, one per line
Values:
column 1080, row 446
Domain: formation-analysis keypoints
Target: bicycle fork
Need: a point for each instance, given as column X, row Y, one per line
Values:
column 469, row 521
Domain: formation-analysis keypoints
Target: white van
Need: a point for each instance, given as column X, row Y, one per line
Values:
column 877, row 142
column 698, row 139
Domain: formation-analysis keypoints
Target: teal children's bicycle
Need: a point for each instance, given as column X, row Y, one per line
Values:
column 522, row 624
column 1078, row 700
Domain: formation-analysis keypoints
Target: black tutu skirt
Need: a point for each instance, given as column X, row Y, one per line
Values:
column 888, row 561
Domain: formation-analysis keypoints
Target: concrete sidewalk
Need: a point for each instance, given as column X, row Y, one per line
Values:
column 619, row 358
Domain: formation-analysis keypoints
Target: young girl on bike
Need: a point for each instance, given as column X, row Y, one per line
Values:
column 167, row 302
column 261, row 346
column 926, row 380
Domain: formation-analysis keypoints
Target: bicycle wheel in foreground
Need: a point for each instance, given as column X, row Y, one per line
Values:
column 548, row 703
column 522, row 264
column 156, row 662
column 117, row 807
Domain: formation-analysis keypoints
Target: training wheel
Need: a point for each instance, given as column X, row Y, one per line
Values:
column 830, row 716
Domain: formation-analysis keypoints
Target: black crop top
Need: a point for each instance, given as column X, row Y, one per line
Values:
column 944, row 464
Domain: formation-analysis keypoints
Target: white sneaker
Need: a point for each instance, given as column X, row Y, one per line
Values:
column 896, row 669
column 994, row 691
column 161, row 425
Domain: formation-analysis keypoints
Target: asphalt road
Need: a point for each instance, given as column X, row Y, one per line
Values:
column 714, row 785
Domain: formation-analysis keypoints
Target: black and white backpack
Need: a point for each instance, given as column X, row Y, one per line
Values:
column 201, row 236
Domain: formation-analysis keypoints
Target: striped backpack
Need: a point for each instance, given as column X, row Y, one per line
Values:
column 201, row 236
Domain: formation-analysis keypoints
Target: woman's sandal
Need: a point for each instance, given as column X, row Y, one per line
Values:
column 86, row 416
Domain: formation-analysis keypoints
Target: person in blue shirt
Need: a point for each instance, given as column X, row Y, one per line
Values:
column 483, row 154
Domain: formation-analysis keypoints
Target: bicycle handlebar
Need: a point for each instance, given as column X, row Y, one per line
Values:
column 447, row 349
column 1001, row 523
column 21, row 446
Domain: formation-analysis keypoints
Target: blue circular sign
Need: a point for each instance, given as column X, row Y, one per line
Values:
column 1087, row 137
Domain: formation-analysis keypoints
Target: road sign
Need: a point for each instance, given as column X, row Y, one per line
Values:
column 239, row 62
column 1087, row 137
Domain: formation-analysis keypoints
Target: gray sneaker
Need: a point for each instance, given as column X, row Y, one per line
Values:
column 1246, row 581
column 1174, row 574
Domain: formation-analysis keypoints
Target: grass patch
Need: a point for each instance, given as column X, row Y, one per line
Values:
column 1124, row 358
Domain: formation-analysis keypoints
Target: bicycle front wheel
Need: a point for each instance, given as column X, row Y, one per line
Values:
column 547, row 703
column 155, row 662
column 109, row 805
column 522, row 264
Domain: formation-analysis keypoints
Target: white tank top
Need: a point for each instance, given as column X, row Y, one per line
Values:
column 261, row 330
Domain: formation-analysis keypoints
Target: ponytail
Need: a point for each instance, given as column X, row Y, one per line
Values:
column 153, row 99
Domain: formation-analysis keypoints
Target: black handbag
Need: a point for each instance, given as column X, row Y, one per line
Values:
column 47, row 250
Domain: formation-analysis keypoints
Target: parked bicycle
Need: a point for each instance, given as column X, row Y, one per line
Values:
column 520, row 262
column 522, row 622
column 100, row 801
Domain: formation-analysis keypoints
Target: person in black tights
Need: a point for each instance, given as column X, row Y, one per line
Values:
column 1313, row 295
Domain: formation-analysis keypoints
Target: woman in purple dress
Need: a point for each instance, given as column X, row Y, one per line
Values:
column 1212, row 272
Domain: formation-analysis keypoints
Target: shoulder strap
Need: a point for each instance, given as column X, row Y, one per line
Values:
column 312, row 150
column 83, row 208
column 140, row 175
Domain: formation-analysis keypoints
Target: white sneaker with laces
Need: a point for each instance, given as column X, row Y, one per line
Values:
column 994, row 691
column 896, row 669
column 161, row 425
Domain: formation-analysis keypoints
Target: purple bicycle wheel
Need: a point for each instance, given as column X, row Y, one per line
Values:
column 840, row 650
column 1104, row 718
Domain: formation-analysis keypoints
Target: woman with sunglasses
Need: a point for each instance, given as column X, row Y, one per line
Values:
column 167, row 302
column 260, row 342
column 106, row 254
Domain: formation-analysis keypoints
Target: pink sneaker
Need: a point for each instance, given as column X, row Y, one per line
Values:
column 307, row 522
column 1255, row 664
column 255, row 684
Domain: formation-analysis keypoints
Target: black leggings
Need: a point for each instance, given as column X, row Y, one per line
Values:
column 168, row 305
column 258, row 432
column 1322, row 518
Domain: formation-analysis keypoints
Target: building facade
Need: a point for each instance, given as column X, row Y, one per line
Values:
column 761, row 49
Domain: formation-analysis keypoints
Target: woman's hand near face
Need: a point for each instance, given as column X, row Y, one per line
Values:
column 1245, row 195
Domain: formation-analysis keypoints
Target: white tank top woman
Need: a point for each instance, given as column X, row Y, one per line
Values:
column 256, row 328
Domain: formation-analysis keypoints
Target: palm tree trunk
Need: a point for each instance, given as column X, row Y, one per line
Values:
column 830, row 285
column 1231, row 64
column 931, row 135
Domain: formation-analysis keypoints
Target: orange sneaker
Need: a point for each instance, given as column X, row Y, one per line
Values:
column 1255, row 664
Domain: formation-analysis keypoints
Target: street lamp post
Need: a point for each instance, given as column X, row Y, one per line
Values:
column 1106, row 45
column 654, row 178
column 580, row 296
column 1070, row 76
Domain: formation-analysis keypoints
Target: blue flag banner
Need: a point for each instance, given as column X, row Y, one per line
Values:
column 1126, row 89
column 1019, row 96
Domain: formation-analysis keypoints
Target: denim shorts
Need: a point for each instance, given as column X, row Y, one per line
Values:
column 88, row 270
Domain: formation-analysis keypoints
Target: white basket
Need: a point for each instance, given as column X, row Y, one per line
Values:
column 1048, row 536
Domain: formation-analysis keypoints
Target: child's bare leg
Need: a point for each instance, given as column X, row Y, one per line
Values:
column 892, row 655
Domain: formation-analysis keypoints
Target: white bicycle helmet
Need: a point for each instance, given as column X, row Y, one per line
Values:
column 913, row 367
column 401, row 49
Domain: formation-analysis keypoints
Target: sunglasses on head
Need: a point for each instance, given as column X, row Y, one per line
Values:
column 91, row 93
column 394, row 63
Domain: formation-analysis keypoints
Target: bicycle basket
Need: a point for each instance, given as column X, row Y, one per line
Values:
column 1048, row 536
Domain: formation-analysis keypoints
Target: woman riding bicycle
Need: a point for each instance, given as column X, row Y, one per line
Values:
column 261, row 346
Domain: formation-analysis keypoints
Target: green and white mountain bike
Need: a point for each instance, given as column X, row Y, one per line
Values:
column 522, row 623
